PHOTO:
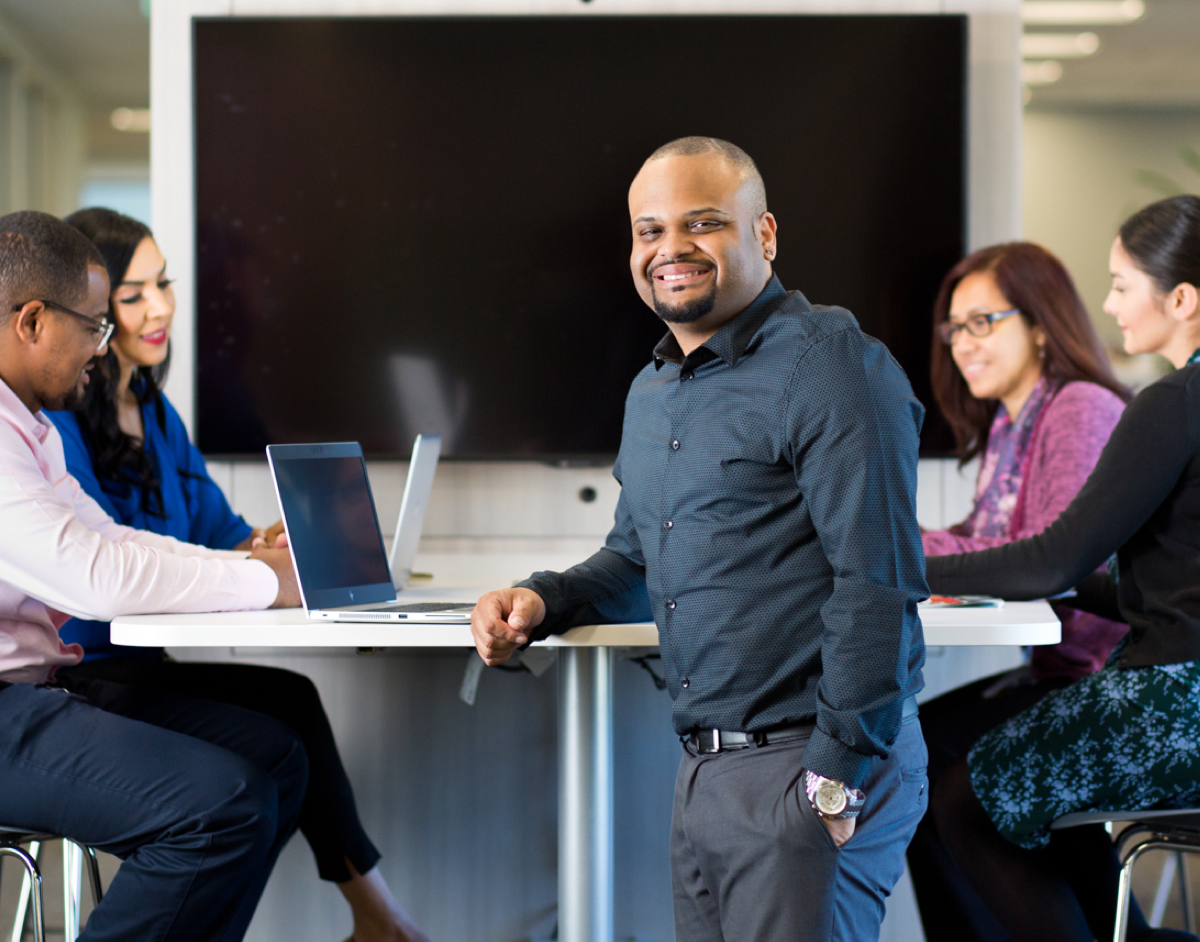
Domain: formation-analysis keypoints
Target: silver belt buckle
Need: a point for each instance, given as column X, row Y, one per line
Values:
column 716, row 743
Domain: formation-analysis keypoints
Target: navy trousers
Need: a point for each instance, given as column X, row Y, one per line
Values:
column 329, row 818
column 197, row 798
column 752, row 862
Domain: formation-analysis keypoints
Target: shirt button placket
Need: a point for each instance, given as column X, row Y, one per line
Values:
column 669, row 605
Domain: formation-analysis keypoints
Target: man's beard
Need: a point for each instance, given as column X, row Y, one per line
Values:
column 687, row 313
column 68, row 402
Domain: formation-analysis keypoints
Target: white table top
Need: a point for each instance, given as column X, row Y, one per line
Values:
column 465, row 576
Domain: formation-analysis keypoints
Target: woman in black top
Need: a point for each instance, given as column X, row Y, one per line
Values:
column 1129, row 735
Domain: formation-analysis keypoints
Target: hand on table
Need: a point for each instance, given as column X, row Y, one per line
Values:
column 502, row 621
column 272, row 537
column 280, row 561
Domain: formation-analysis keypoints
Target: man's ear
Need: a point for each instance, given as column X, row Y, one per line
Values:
column 29, row 322
column 766, row 233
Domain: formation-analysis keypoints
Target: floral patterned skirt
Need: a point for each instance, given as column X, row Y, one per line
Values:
column 1119, row 739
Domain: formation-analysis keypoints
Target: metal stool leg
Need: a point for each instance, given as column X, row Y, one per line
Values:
column 93, row 868
column 1162, row 894
column 1124, row 889
column 72, row 859
column 18, row 929
column 1133, row 844
column 1185, row 893
column 1130, row 850
column 33, row 895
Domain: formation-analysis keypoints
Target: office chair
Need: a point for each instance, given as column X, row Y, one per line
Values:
column 1172, row 829
column 74, row 855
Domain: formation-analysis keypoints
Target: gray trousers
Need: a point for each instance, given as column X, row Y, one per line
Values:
column 752, row 862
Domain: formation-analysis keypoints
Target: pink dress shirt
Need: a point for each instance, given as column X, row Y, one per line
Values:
column 61, row 555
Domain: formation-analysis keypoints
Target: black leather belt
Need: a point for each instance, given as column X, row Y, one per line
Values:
column 709, row 741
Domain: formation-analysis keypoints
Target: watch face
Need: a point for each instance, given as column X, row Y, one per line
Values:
column 831, row 798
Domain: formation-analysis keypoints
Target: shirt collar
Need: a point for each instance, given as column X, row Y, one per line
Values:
column 732, row 340
column 14, row 409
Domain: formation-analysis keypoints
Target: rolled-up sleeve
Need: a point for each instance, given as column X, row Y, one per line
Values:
column 855, row 427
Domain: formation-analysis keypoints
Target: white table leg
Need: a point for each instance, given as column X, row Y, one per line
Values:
column 585, row 787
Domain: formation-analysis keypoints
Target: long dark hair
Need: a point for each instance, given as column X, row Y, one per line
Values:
column 1163, row 239
column 1036, row 283
column 115, row 455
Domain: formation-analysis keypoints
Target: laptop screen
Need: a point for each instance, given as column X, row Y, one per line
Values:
column 332, row 527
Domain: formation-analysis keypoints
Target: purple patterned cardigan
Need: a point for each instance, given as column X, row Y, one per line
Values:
column 1067, row 439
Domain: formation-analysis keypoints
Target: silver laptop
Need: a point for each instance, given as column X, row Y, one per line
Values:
column 421, row 469
column 332, row 527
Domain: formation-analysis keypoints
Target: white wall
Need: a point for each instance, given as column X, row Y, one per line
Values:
column 42, row 131
column 121, row 185
column 1081, row 181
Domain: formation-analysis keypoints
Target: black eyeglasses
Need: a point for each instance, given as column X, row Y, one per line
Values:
column 977, row 325
column 103, row 329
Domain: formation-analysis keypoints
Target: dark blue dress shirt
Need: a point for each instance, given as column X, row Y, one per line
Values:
column 194, row 507
column 767, row 523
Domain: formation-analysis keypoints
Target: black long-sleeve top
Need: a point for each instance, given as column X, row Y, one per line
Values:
column 1142, row 502
column 767, row 523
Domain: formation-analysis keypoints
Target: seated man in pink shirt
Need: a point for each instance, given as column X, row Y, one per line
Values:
column 197, row 798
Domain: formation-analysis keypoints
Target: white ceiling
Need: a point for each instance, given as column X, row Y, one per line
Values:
column 103, row 46
column 1152, row 62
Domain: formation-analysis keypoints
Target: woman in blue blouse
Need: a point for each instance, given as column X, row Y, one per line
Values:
column 130, row 451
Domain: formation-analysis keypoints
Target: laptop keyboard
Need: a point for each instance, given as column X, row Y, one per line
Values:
column 424, row 607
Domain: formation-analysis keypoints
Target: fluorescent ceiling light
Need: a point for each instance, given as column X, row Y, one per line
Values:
column 1041, row 73
column 1058, row 45
column 1081, row 12
column 131, row 119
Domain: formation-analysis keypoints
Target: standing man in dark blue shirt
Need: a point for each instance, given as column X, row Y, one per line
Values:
column 767, row 523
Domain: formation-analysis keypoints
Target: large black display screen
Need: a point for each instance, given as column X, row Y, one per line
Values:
column 419, row 224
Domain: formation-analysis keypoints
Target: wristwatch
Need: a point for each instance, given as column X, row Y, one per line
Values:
column 832, row 799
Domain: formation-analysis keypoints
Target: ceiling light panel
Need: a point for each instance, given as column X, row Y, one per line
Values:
column 135, row 120
column 1041, row 73
column 1081, row 12
column 1058, row 45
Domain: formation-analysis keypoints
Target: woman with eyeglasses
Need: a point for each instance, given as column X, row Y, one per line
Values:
column 1023, row 380
column 1125, row 737
column 129, row 450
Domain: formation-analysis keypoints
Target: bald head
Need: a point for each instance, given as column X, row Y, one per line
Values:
column 755, row 192
column 702, row 247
